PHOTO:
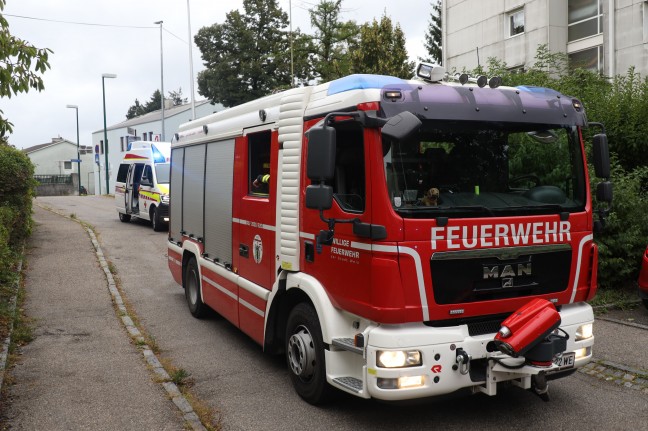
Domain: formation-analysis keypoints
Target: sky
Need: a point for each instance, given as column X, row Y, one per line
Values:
column 120, row 37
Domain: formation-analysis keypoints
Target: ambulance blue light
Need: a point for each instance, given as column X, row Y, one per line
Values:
column 361, row 82
column 158, row 157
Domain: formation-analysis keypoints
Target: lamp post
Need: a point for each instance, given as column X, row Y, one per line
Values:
column 76, row 108
column 103, row 89
column 191, row 72
column 161, row 78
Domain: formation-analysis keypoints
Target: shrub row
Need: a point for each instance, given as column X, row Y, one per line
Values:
column 16, row 191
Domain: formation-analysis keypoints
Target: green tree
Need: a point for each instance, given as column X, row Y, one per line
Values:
column 176, row 97
column 246, row 56
column 332, row 40
column 154, row 103
column 21, row 67
column 381, row 50
column 135, row 110
column 433, row 38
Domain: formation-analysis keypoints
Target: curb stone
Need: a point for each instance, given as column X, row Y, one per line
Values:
column 619, row 374
column 188, row 414
column 4, row 354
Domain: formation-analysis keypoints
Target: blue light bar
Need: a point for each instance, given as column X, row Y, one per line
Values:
column 158, row 157
column 361, row 82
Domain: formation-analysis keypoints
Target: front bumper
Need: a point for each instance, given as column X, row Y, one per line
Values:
column 441, row 372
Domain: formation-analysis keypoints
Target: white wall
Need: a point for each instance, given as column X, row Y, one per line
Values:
column 115, row 154
column 50, row 161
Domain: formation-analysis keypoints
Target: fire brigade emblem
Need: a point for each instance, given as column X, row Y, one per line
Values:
column 257, row 249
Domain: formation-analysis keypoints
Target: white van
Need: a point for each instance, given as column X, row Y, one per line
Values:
column 142, row 186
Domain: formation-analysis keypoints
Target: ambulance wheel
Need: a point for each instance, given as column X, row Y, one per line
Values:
column 124, row 218
column 305, row 355
column 192, row 290
column 157, row 224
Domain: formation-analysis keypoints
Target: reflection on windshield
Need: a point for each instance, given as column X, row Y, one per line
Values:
column 162, row 172
column 478, row 170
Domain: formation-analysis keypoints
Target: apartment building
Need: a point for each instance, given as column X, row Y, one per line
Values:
column 608, row 36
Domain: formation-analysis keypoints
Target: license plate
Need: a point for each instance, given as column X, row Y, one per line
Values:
column 566, row 360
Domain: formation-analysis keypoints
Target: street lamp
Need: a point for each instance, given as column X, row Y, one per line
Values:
column 161, row 78
column 103, row 89
column 76, row 108
column 191, row 71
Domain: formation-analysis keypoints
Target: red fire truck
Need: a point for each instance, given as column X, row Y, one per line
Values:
column 395, row 239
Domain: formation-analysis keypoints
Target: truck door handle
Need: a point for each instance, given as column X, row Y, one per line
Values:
column 244, row 250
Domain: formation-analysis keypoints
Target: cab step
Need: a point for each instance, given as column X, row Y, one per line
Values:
column 350, row 383
column 348, row 344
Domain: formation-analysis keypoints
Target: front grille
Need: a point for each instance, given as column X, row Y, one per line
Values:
column 483, row 275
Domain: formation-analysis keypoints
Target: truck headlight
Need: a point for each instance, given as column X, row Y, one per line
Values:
column 584, row 332
column 165, row 199
column 398, row 358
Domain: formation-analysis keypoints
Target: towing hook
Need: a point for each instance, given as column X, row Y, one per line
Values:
column 463, row 359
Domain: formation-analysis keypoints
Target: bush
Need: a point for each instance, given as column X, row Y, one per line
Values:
column 624, row 239
column 17, row 187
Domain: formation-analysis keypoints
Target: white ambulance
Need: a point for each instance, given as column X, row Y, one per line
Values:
column 142, row 186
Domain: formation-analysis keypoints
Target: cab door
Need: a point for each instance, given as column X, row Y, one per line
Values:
column 254, row 226
column 131, row 194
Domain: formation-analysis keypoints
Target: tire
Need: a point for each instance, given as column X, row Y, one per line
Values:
column 191, row 284
column 124, row 218
column 157, row 224
column 305, row 355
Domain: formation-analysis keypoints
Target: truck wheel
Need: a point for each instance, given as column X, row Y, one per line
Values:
column 155, row 220
column 124, row 218
column 305, row 355
column 197, row 307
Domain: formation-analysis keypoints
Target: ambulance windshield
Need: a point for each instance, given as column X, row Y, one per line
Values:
column 468, row 169
column 162, row 172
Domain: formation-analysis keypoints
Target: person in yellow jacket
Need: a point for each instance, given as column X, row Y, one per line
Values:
column 261, row 180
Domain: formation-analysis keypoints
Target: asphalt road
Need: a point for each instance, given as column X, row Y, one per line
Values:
column 250, row 390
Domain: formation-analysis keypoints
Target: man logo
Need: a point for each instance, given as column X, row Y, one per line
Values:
column 507, row 282
column 436, row 369
column 507, row 271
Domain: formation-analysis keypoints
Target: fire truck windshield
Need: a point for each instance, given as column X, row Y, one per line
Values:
column 467, row 169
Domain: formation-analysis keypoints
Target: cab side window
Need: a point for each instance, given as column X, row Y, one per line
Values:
column 349, row 180
column 147, row 176
column 122, row 173
column 259, row 163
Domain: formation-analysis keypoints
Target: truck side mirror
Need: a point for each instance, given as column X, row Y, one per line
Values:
column 319, row 197
column 320, row 165
column 601, row 155
column 400, row 127
column 604, row 192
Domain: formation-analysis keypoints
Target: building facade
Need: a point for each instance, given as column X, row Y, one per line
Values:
column 147, row 127
column 608, row 36
column 59, row 158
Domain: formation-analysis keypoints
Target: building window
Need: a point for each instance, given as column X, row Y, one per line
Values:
column 121, row 143
column 589, row 59
column 516, row 22
column 67, row 165
column 101, row 148
column 585, row 19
